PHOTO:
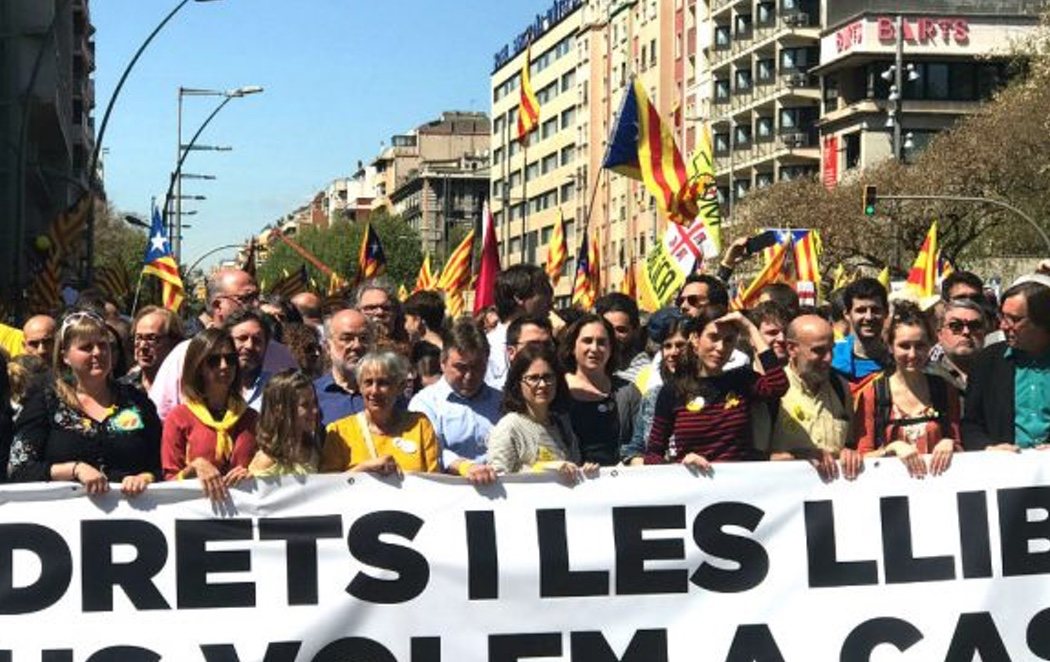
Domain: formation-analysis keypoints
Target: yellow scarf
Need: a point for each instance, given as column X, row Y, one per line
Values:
column 223, row 440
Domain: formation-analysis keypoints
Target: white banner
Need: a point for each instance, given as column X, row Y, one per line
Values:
column 761, row 562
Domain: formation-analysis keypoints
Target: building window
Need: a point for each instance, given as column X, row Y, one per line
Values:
column 765, row 128
column 766, row 14
column 763, row 179
column 566, row 154
column 568, row 117
column 722, row 90
column 532, row 171
column 743, row 80
column 740, row 188
column 743, row 26
column 742, row 137
column 549, row 128
column 721, row 144
column 852, row 147
column 550, row 162
column 767, row 71
column 723, row 38
column 568, row 80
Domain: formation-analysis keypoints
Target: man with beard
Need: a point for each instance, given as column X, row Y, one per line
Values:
column 1006, row 404
column 960, row 335
column 814, row 418
column 863, row 354
column 155, row 332
column 250, row 338
column 349, row 336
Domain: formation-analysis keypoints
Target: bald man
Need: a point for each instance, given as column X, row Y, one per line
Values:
column 38, row 336
column 309, row 306
column 350, row 335
column 815, row 417
column 229, row 290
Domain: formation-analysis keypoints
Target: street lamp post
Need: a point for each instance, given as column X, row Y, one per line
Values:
column 174, row 192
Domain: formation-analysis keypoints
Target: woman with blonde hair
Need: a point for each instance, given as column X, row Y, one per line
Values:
column 211, row 435
column 289, row 433
column 85, row 427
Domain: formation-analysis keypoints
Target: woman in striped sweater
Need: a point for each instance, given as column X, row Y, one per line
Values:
column 706, row 409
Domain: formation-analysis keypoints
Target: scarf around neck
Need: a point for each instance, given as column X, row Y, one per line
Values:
column 223, row 440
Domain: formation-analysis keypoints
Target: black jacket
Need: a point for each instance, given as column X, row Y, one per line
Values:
column 988, row 417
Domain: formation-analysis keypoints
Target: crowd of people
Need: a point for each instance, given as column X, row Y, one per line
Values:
column 270, row 387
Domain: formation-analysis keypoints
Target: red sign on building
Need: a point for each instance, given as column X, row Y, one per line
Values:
column 926, row 30
column 831, row 161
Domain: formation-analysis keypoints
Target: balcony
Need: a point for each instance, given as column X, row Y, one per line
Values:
column 797, row 25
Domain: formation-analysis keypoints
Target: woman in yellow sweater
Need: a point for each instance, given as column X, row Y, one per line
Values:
column 385, row 438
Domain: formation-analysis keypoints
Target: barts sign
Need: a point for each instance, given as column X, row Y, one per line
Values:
column 933, row 31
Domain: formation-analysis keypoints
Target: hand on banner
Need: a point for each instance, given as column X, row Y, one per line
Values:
column 384, row 465
column 480, row 474
column 235, row 475
column 93, row 480
column 826, row 466
column 941, row 458
column 698, row 464
column 852, row 463
column 211, row 479
column 135, row 485
column 1007, row 446
column 909, row 456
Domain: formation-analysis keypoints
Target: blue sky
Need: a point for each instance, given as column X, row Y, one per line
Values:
column 340, row 76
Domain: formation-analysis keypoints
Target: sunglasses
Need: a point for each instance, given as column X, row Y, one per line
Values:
column 694, row 301
column 215, row 360
column 957, row 326
column 77, row 318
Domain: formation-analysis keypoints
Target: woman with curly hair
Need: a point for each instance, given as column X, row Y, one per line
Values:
column 289, row 433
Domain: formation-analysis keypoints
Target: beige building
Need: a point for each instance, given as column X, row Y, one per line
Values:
column 761, row 96
column 955, row 55
column 46, row 171
column 584, row 53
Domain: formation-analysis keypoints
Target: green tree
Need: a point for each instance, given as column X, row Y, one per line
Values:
column 338, row 247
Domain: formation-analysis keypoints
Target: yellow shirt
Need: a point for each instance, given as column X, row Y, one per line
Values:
column 414, row 447
column 12, row 340
column 807, row 419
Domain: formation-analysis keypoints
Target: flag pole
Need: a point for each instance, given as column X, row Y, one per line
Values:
column 525, row 197
column 135, row 304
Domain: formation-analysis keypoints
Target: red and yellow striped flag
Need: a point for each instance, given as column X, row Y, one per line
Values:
column 456, row 276
column 425, row 280
column 159, row 262
column 371, row 260
column 594, row 263
column 642, row 147
column 807, row 258
column 528, row 104
column 922, row 278
column 629, row 285
column 771, row 273
column 44, row 296
column 557, row 250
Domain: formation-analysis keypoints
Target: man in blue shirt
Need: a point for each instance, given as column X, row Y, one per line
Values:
column 349, row 336
column 462, row 408
column 863, row 353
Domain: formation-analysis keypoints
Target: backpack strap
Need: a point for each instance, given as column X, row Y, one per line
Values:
column 883, row 403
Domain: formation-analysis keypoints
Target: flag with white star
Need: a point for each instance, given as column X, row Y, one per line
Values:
column 371, row 261
column 161, row 263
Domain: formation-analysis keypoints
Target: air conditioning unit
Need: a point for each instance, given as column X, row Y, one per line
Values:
column 796, row 19
column 792, row 140
column 798, row 79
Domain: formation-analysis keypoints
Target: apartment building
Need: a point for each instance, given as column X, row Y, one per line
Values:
column 584, row 55
column 47, row 56
column 954, row 55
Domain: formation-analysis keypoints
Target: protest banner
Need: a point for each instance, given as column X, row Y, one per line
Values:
column 758, row 562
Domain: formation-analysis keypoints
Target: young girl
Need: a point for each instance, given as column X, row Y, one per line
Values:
column 289, row 433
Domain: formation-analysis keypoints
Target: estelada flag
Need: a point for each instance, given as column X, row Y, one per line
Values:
column 291, row 284
column 771, row 273
column 371, row 260
column 485, row 287
column 642, row 147
column 455, row 277
column 528, row 104
column 159, row 262
column 922, row 278
column 583, row 289
column 557, row 251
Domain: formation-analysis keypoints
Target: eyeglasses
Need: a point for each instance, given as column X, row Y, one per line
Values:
column 245, row 300
column 534, row 381
column 377, row 307
column 957, row 326
column 215, row 360
column 148, row 339
column 694, row 301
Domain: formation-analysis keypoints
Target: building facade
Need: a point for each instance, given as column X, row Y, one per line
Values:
column 584, row 54
column 47, row 131
column 953, row 56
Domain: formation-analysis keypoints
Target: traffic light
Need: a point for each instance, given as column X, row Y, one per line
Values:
column 870, row 198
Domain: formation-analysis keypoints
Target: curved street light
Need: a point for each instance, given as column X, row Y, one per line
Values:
column 184, row 150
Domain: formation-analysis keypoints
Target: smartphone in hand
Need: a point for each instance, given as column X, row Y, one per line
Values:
column 760, row 242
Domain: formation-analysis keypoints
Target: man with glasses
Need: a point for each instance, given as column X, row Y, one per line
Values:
column 377, row 301
column 462, row 408
column 349, row 336
column 1007, row 407
column 38, row 337
column 699, row 292
column 154, row 333
column 228, row 290
column 961, row 330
